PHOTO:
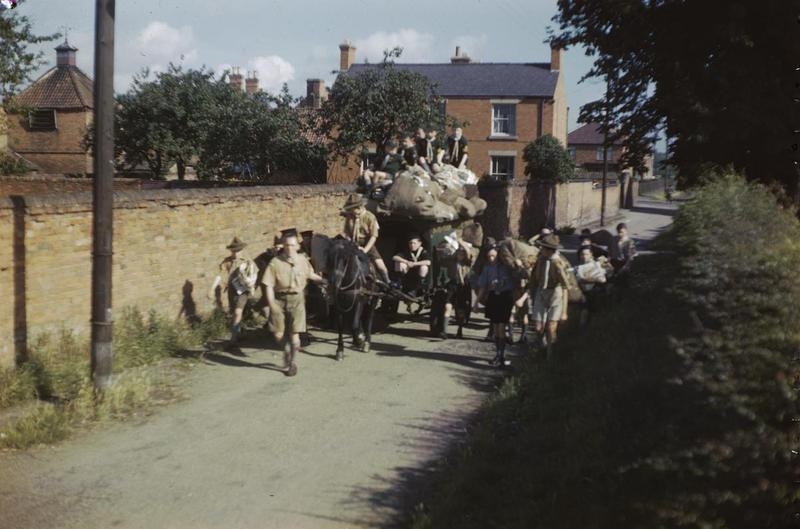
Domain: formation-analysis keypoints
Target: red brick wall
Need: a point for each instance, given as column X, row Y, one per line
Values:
column 57, row 151
column 163, row 240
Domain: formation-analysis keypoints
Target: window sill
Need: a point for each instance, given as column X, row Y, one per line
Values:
column 498, row 137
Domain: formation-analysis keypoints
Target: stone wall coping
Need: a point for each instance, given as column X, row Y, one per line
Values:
column 176, row 197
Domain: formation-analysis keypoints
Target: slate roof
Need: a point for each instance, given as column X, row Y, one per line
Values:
column 588, row 134
column 61, row 87
column 478, row 80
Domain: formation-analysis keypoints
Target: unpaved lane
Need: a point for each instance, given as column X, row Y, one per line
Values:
column 254, row 449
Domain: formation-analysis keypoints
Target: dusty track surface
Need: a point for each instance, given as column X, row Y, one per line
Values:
column 252, row 448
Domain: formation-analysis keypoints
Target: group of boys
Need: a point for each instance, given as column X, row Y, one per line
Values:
column 423, row 149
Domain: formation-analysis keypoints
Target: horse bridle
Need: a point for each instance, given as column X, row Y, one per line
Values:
column 338, row 286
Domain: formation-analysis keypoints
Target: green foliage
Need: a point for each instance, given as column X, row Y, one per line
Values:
column 262, row 134
column 546, row 159
column 17, row 62
column 377, row 105
column 57, row 371
column 11, row 165
column 718, row 74
column 671, row 410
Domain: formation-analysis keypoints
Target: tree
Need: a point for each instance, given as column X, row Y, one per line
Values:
column 378, row 104
column 164, row 121
column 17, row 63
column 546, row 160
column 718, row 74
column 261, row 134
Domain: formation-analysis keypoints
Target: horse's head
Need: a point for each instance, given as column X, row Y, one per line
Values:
column 344, row 261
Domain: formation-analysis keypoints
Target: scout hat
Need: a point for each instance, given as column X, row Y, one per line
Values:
column 307, row 233
column 288, row 232
column 236, row 244
column 550, row 241
column 354, row 200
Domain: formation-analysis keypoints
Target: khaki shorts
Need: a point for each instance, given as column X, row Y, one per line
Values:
column 548, row 304
column 236, row 301
column 290, row 316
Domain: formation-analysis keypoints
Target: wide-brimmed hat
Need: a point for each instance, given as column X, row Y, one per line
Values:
column 236, row 244
column 354, row 200
column 549, row 241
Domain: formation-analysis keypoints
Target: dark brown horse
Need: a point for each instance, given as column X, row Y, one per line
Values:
column 352, row 292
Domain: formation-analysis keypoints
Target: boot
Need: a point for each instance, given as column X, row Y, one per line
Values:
column 443, row 334
column 459, row 333
column 236, row 333
column 497, row 361
column 290, row 368
column 384, row 275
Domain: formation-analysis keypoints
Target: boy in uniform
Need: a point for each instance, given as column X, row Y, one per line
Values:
column 549, row 290
column 413, row 265
column 285, row 280
column 457, row 149
column 240, row 275
column 361, row 227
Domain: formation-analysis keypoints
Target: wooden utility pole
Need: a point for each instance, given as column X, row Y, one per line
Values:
column 102, row 353
column 605, row 158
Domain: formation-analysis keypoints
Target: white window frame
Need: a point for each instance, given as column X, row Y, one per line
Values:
column 573, row 152
column 511, row 119
column 495, row 156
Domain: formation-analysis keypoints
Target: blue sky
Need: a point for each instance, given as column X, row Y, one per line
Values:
column 291, row 41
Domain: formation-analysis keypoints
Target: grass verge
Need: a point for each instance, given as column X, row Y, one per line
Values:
column 54, row 393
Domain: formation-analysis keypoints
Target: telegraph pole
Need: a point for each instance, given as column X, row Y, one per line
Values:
column 102, row 353
column 605, row 158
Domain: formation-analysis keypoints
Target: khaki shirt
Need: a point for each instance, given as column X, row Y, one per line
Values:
column 549, row 273
column 239, row 271
column 364, row 227
column 288, row 275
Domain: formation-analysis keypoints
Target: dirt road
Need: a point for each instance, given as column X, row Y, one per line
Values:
column 254, row 449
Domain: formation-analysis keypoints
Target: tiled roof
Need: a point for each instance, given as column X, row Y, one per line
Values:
column 59, row 87
column 482, row 79
column 588, row 134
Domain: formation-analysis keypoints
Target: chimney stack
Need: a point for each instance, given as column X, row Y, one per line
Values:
column 235, row 79
column 460, row 59
column 347, row 55
column 556, row 56
column 316, row 93
column 65, row 54
column 251, row 82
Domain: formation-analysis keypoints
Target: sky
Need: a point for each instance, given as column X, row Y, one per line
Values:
column 289, row 41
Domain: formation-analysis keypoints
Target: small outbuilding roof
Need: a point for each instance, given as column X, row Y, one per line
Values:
column 61, row 87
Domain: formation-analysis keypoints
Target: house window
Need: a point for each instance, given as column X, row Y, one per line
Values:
column 571, row 151
column 502, row 167
column 42, row 119
column 609, row 155
column 504, row 119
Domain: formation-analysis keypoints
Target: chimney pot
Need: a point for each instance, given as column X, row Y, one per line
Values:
column 460, row 58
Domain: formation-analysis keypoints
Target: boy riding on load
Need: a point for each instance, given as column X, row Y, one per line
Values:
column 361, row 227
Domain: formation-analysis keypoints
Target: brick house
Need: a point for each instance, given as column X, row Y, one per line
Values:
column 57, row 111
column 585, row 145
column 506, row 105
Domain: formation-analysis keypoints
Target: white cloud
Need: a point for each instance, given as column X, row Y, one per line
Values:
column 272, row 71
column 417, row 46
column 471, row 45
column 159, row 44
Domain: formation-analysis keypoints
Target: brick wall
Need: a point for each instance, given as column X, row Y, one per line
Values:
column 164, row 241
column 56, row 151
column 523, row 208
column 478, row 113
column 40, row 184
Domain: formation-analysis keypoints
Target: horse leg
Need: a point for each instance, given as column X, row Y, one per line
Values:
column 340, row 328
column 358, row 311
column 370, row 315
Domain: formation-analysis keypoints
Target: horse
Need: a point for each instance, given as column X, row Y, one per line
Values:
column 351, row 292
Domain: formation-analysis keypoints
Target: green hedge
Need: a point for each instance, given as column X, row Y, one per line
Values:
column 672, row 410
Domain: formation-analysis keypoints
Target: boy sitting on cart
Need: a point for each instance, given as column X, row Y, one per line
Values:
column 412, row 265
